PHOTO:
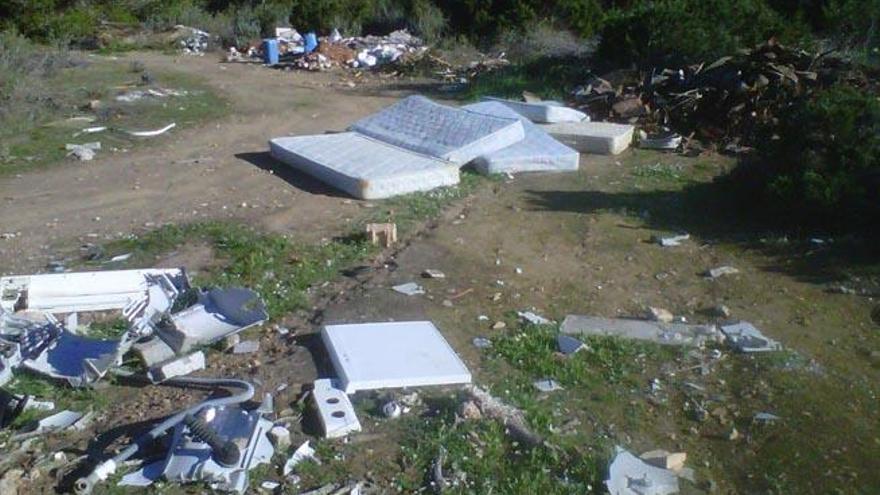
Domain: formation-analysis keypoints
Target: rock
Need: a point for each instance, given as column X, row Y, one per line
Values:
column 280, row 437
column 499, row 325
column 246, row 347
column 660, row 314
column 11, row 482
column 721, row 311
column 470, row 411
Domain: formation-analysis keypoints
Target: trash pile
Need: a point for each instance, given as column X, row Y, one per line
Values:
column 726, row 101
column 419, row 145
column 194, row 41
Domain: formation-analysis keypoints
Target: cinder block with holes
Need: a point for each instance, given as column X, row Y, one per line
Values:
column 335, row 410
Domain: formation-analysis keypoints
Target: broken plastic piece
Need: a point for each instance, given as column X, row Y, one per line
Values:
column 533, row 318
column 547, row 385
column 334, row 410
column 569, row 345
column 409, row 289
column 629, row 475
column 744, row 337
column 152, row 133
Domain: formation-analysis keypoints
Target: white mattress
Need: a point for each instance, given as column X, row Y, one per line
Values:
column 455, row 134
column 538, row 152
column 602, row 138
column 545, row 112
column 363, row 167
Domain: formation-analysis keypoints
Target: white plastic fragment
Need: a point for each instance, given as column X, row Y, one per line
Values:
column 430, row 273
column 152, row 133
column 721, row 271
column 392, row 409
column 304, row 452
column 335, row 411
column 547, row 385
column 246, row 347
column 533, row 318
column 280, row 437
column 671, row 241
column 744, row 337
column 58, row 421
column 409, row 289
column 629, row 475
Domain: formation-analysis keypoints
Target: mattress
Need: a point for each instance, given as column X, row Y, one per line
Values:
column 538, row 152
column 363, row 167
column 602, row 138
column 454, row 134
column 545, row 112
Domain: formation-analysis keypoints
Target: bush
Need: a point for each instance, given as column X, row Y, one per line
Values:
column 675, row 32
column 822, row 165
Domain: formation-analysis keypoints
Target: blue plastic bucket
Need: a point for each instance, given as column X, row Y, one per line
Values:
column 270, row 51
column 311, row 42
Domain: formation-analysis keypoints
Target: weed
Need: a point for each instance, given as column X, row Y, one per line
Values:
column 410, row 209
column 107, row 329
column 280, row 270
column 65, row 397
column 660, row 171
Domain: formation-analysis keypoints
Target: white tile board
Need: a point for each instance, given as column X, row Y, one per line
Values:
column 455, row 134
column 538, row 152
column 603, row 138
column 362, row 166
column 372, row 356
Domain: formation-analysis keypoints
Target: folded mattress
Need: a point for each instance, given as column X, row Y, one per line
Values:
column 538, row 152
column 454, row 134
column 363, row 167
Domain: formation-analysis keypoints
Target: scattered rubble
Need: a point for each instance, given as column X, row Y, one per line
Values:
column 533, row 318
column 84, row 152
column 744, row 337
column 658, row 332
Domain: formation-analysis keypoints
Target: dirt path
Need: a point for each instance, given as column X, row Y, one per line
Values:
column 220, row 170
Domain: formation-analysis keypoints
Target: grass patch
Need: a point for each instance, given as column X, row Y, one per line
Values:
column 35, row 138
column 410, row 210
column 661, row 172
column 65, row 397
column 549, row 77
column 279, row 269
column 481, row 458
column 107, row 329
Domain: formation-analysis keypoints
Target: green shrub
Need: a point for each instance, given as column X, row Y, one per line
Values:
column 822, row 164
column 674, row 32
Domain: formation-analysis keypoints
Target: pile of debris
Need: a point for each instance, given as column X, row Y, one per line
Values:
column 726, row 101
column 194, row 41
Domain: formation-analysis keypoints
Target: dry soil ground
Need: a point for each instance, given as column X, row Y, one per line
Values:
column 557, row 244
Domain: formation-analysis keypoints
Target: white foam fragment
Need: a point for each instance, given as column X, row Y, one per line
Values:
column 363, row 167
column 601, row 138
column 455, row 134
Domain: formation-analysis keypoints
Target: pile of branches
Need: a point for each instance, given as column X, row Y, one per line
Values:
column 728, row 101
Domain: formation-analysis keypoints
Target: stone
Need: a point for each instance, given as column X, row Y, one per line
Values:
column 721, row 271
column 499, row 325
column 660, row 314
column 470, row 411
column 246, row 347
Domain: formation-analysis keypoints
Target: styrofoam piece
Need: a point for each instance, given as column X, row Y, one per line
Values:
column 362, row 166
column 392, row 355
column 537, row 152
column 603, row 138
column 334, row 409
column 544, row 112
column 455, row 134
column 81, row 291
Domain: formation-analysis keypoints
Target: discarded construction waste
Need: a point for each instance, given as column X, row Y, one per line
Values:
column 744, row 337
column 629, row 475
column 653, row 331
